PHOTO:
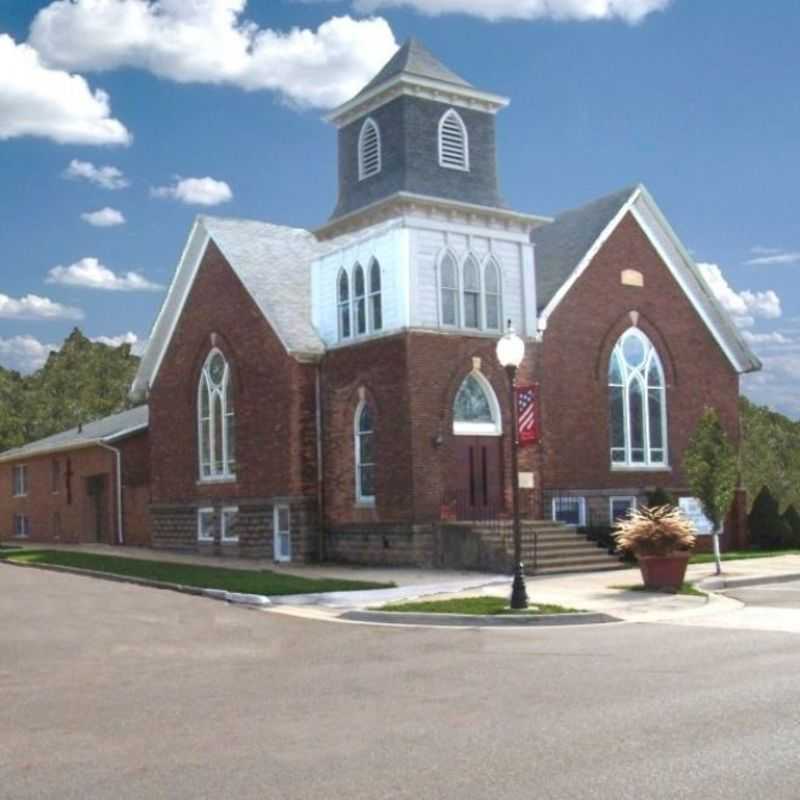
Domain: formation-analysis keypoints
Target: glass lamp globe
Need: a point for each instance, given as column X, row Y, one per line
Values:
column 510, row 349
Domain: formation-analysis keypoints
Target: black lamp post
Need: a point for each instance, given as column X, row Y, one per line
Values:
column 510, row 352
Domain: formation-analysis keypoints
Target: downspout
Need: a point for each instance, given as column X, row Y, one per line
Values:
column 118, row 453
column 320, row 470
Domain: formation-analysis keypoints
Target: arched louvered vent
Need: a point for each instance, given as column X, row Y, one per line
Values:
column 453, row 144
column 369, row 150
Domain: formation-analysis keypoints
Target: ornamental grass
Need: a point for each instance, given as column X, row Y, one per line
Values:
column 656, row 531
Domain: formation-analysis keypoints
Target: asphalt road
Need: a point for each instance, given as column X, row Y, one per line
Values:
column 115, row 691
column 774, row 595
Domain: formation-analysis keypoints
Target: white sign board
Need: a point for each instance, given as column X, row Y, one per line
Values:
column 692, row 509
column 526, row 480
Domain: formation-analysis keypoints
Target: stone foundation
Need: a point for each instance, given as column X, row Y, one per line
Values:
column 379, row 544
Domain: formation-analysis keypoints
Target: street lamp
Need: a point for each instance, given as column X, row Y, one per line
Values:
column 510, row 352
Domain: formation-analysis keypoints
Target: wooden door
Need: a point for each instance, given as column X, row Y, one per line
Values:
column 477, row 477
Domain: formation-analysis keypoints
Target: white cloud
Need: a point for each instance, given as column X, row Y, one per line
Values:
column 89, row 273
column 24, row 353
column 137, row 345
column 196, row 191
column 630, row 11
column 107, row 177
column 768, row 256
column 34, row 307
column 36, row 100
column 208, row 41
column 104, row 217
column 777, row 385
column 776, row 337
column 744, row 306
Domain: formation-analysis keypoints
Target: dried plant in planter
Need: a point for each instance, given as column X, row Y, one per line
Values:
column 657, row 531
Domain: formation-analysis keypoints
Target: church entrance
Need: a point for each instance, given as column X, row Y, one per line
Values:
column 97, row 493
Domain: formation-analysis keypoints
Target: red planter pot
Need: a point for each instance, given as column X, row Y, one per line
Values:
column 664, row 572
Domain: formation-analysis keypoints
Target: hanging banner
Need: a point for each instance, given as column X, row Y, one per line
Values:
column 528, row 423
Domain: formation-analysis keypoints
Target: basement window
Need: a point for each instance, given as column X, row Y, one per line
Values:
column 569, row 510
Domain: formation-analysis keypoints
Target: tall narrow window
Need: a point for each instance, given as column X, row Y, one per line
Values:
column 343, row 297
column 369, row 150
column 491, row 288
column 216, row 419
column 359, row 300
column 472, row 294
column 637, row 402
column 453, row 142
column 448, row 272
column 19, row 480
column 365, row 454
column 375, row 310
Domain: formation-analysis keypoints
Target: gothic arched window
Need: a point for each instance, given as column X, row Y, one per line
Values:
column 343, row 301
column 476, row 411
column 216, row 419
column 448, row 282
column 359, row 300
column 637, row 402
column 369, row 150
column 491, row 288
column 472, row 293
column 375, row 310
column 453, row 141
column 365, row 453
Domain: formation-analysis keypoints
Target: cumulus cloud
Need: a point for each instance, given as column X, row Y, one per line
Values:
column 776, row 337
column 777, row 385
column 196, row 191
column 33, row 306
column 104, row 217
column 106, row 177
column 211, row 42
column 36, row 100
column 745, row 306
column 24, row 353
column 769, row 256
column 137, row 345
column 631, row 11
column 89, row 273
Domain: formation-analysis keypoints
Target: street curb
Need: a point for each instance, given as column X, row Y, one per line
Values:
column 197, row 591
column 478, row 620
column 716, row 584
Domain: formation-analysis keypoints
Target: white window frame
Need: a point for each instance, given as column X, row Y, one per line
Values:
column 493, row 428
column 581, row 502
column 22, row 526
column 204, row 512
column 640, row 373
column 490, row 262
column 344, row 305
column 361, row 498
column 19, row 486
column 224, row 395
column 276, row 532
column 452, row 113
column 372, row 295
column 356, row 333
column 457, row 288
column 629, row 498
column 470, row 258
column 369, row 123
column 223, row 525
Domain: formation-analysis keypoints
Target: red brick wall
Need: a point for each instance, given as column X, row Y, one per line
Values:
column 274, row 397
column 576, row 348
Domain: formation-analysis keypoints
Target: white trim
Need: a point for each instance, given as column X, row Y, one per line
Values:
column 463, row 293
column 451, row 113
column 490, row 260
column 201, row 512
column 445, row 251
column 630, row 498
column 581, row 501
column 276, row 533
column 369, row 122
column 223, row 528
column 23, row 470
column 494, row 428
column 222, row 395
column 361, row 498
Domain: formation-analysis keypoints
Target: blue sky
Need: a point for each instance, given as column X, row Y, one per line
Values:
column 699, row 101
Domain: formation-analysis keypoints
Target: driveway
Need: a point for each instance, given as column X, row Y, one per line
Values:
column 116, row 691
column 775, row 595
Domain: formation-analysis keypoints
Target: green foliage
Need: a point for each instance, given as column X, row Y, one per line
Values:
column 711, row 467
column 660, row 497
column 792, row 519
column 81, row 382
column 768, row 529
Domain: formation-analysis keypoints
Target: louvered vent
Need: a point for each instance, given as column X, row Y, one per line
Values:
column 369, row 150
column 453, row 142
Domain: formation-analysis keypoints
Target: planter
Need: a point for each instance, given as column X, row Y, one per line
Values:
column 664, row 572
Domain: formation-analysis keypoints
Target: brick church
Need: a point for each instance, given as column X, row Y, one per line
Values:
column 335, row 393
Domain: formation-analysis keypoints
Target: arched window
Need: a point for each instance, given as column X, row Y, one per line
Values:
column 375, row 310
column 453, row 141
column 216, row 419
column 491, row 288
column 448, row 280
column 637, row 402
column 369, row 150
column 359, row 300
column 365, row 453
column 472, row 293
column 476, row 411
column 343, row 299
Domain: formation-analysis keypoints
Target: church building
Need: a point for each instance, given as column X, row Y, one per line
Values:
column 334, row 393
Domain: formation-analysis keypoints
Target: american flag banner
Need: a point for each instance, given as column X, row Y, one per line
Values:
column 528, row 427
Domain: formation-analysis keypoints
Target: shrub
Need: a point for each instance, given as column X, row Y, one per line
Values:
column 660, row 497
column 768, row 529
column 792, row 519
column 658, row 531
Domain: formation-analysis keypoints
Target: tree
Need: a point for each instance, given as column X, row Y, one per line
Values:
column 767, row 527
column 792, row 520
column 711, row 467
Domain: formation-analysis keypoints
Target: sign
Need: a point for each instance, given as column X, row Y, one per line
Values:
column 526, row 480
column 528, row 423
column 692, row 509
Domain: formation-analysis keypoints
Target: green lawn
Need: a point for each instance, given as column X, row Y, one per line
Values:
column 707, row 558
column 474, row 605
column 231, row 580
column 686, row 588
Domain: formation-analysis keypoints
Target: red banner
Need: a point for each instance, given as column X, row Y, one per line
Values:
column 528, row 422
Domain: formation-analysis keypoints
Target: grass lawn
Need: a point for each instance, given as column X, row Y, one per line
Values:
column 231, row 580
column 474, row 605
column 707, row 558
column 686, row 588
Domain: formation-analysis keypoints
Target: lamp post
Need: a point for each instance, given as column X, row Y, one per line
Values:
column 510, row 352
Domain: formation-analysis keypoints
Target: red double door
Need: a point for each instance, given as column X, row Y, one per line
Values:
column 476, row 476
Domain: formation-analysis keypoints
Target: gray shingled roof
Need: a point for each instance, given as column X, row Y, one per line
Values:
column 107, row 429
column 414, row 59
column 561, row 244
